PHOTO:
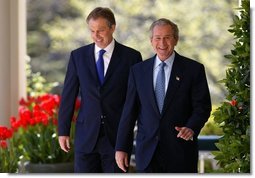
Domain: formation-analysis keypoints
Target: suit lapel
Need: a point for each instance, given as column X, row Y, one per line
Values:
column 174, row 82
column 92, row 62
column 113, row 62
column 148, row 85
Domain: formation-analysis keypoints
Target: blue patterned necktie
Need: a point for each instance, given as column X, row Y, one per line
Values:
column 100, row 66
column 160, row 86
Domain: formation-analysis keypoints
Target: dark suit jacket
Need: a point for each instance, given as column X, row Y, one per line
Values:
column 97, row 102
column 187, row 103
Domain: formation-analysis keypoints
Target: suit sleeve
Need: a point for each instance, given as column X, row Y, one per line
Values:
column 139, row 58
column 129, row 116
column 201, row 101
column 68, row 98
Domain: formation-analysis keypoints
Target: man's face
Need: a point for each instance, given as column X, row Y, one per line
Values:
column 100, row 32
column 163, row 41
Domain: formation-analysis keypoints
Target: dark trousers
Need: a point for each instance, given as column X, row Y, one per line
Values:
column 159, row 164
column 100, row 160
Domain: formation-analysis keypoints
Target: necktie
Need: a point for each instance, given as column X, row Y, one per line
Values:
column 160, row 86
column 100, row 66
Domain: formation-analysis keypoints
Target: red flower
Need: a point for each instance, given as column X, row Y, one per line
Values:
column 37, row 122
column 14, row 124
column 5, row 133
column 22, row 102
column 25, row 116
column 233, row 103
column 54, row 121
column 48, row 105
column 3, row 144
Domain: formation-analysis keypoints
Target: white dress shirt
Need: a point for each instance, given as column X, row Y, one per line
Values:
column 107, row 55
column 168, row 69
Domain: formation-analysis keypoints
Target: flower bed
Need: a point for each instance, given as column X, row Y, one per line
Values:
column 33, row 134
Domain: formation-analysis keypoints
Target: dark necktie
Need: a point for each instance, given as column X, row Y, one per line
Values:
column 160, row 86
column 100, row 66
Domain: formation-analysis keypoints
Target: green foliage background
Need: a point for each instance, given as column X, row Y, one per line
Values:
column 233, row 116
column 56, row 27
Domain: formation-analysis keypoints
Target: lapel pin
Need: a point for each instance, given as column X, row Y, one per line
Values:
column 177, row 78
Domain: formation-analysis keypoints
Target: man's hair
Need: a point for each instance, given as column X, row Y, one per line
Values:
column 163, row 21
column 102, row 12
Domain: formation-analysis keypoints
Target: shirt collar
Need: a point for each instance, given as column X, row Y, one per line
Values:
column 169, row 61
column 108, row 49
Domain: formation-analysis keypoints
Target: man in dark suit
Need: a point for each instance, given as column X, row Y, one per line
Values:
column 169, row 98
column 103, row 92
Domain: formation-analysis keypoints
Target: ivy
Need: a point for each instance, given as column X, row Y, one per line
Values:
column 233, row 116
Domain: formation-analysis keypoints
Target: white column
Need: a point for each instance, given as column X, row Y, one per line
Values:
column 5, row 110
column 12, row 57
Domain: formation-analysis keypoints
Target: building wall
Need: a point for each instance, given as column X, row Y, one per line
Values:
column 12, row 57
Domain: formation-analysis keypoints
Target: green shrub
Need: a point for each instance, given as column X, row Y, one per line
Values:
column 36, row 84
column 211, row 127
column 233, row 115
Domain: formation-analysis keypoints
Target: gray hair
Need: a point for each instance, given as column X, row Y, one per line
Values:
column 163, row 21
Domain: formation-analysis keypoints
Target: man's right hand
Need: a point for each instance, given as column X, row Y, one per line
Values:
column 64, row 142
column 121, row 158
